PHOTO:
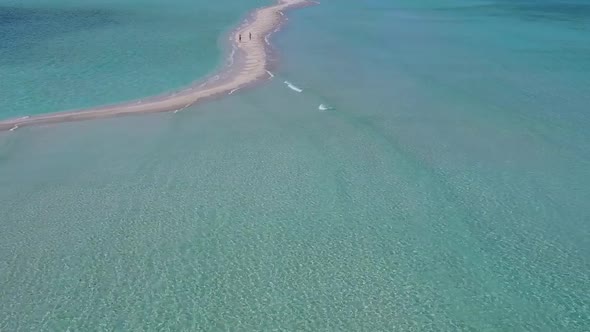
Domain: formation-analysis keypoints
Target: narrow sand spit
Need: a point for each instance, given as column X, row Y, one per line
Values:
column 249, row 66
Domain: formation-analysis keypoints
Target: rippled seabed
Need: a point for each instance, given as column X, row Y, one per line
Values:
column 246, row 215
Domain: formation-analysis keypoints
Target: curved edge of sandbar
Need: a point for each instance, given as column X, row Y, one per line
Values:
column 249, row 63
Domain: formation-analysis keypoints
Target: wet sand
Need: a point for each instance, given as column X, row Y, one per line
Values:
column 248, row 63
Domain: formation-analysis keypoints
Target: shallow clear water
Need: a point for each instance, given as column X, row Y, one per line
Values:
column 446, row 190
column 66, row 54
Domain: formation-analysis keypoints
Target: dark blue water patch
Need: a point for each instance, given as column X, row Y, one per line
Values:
column 566, row 11
column 548, row 10
column 22, row 27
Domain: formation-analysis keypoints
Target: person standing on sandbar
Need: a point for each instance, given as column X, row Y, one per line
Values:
column 240, row 37
column 250, row 35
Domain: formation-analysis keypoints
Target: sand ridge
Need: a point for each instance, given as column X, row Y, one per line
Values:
column 250, row 66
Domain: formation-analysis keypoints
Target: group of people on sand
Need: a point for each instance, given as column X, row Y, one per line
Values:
column 240, row 36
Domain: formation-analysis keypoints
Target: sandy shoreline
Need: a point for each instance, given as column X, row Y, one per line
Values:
column 248, row 64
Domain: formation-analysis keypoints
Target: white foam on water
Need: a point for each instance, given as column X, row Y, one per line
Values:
column 293, row 87
column 270, row 74
column 231, row 56
column 234, row 90
column 323, row 107
column 13, row 128
column 266, row 40
column 182, row 109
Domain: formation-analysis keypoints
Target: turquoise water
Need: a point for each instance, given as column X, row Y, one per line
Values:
column 63, row 55
column 446, row 190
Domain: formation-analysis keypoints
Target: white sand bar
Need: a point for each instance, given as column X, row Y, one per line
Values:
column 250, row 67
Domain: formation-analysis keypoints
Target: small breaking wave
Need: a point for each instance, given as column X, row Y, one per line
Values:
column 231, row 58
column 293, row 87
